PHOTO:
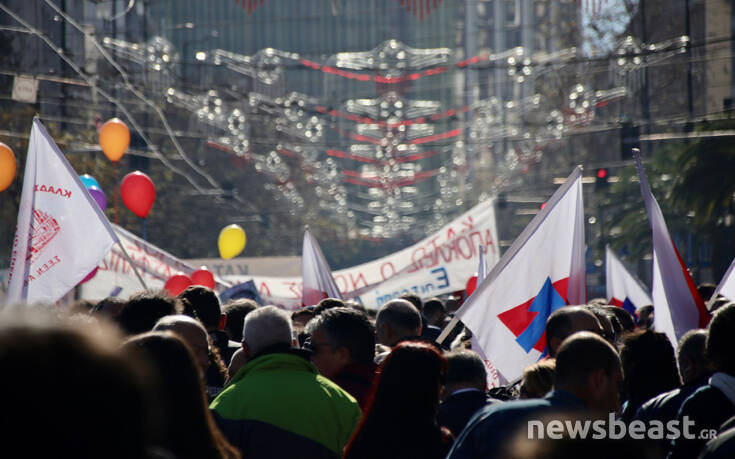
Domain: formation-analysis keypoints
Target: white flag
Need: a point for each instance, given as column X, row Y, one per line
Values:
column 541, row 272
column 317, row 281
column 726, row 287
column 61, row 234
column 677, row 305
column 623, row 288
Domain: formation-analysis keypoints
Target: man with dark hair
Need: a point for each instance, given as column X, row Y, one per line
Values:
column 235, row 312
column 464, row 385
column 694, row 374
column 434, row 312
column 328, row 303
column 343, row 347
column 645, row 316
column 567, row 320
column 626, row 319
column 143, row 309
column 712, row 404
column 207, row 310
column 606, row 322
column 415, row 300
column 397, row 320
column 587, row 381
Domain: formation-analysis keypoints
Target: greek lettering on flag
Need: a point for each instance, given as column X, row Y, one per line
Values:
column 61, row 234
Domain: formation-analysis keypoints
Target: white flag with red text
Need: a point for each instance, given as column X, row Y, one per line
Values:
column 317, row 280
column 623, row 288
column 541, row 272
column 61, row 234
column 677, row 305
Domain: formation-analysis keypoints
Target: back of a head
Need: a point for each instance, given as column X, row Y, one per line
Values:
column 143, row 309
column 721, row 340
column 177, row 322
column 626, row 319
column 205, row 304
column 564, row 322
column 414, row 299
column 68, row 384
column 538, row 379
column 401, row 316
column 645, row 316
column 649, row 365
column 433, row 309
column 690, row 355
column 328, row 303
column 579, row 356
column 409, row 378
column 235, row 312
column 465, row 369
column 349, row 328
column 109, row 307
column 706, row 290
column 265, row 327
column 609, row 322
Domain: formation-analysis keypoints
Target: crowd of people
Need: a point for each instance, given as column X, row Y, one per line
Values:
column 156, row 376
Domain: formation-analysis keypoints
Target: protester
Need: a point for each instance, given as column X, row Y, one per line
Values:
column 342, row 343
column 587, row 382
column 711, row 405
column 694, row 374
column 645, row 317
column 400, row 419
column 606, row 322
column 566, row 321
column 235, row 312
column 649, row 367
column 433, row 315
column 464, row 390
column 626, row 319
column 143, row 309
column 397, row 320
column 186, row 428
column 208, row 311
column 328, row 303
column 68, row 391
column 538, row 379
column 278, row 405
column 109, row 307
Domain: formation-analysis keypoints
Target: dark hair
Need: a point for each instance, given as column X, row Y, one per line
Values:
column 69, row 392
column 706, row 290
column 464, row 366
column 328, row 303
column 399, row 314
column 692, row 348
column 143, row 309
column 626, row 319
column 109, row 307
column 645, row 316
column 190, row 431
column 349, row 328
column 649, row 366
column 205, row 304
column 580, row 355
column 400, row 415
column 721, row 339
column 560, row 324
column 604, row 317
column 433, row 306
column 235, row 312
column 414, row 299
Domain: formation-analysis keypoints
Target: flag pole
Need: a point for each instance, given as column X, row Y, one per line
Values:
column 447, row 330
column 132, row 265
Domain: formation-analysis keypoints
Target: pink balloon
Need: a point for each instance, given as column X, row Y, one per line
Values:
column 203, row 276
column 89, row 276
column 177, row 283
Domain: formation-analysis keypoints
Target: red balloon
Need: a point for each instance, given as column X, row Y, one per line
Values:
column 471, row 285
column 203, row 276
column 177, row 284
column 138, row 193
column 90, row 275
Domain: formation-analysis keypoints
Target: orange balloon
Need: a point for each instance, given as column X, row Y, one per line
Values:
column 114, row 139
column 7, row 166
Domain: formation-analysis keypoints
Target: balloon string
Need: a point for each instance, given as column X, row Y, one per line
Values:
column 145, row 232
column 114, row 167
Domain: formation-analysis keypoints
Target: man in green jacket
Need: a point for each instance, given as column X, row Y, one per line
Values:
column 278, row 405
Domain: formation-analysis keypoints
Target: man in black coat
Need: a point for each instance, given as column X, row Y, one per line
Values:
column 465, row 383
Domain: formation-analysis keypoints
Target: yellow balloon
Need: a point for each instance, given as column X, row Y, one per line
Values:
column 7, row 166
column 114, row 138
column 231, row 241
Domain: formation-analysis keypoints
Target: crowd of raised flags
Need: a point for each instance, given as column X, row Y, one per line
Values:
column 62, row 236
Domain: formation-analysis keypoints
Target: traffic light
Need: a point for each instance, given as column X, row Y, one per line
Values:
column 601, row 178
